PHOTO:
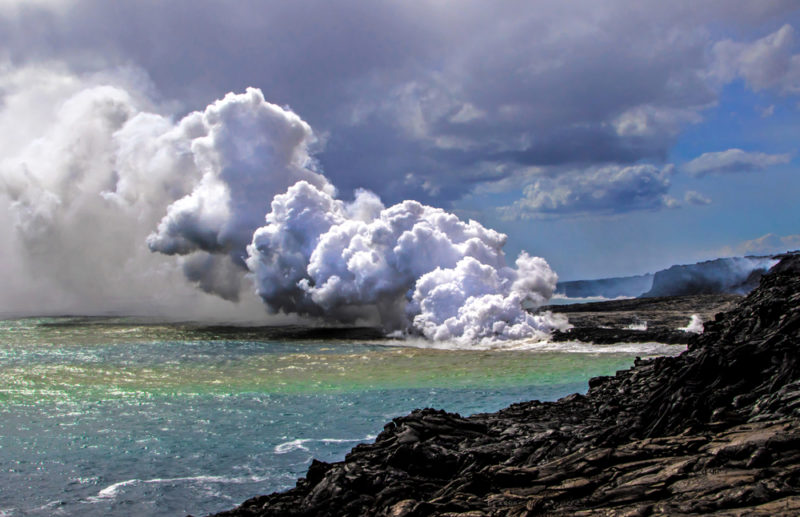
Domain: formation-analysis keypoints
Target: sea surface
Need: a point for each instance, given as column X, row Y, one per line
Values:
column 118, row 416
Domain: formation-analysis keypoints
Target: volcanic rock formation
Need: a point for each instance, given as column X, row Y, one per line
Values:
column 639, row 320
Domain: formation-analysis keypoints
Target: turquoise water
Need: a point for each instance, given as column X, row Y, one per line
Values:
column 105, row 416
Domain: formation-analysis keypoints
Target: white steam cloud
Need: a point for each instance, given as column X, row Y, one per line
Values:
column 245, row 151
column 94, row 180
column 87, row 170
column 408, row 265
column 695, row 325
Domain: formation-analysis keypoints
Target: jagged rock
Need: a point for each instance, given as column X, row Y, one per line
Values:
column 712, row 431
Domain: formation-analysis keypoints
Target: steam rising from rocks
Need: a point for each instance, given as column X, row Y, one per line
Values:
column 100, row 180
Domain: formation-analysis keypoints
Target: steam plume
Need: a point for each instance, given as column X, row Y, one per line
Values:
column 100, row 180
column 245, row 150
column 408, row 265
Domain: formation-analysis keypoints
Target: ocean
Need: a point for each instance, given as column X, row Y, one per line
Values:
column 119, row 416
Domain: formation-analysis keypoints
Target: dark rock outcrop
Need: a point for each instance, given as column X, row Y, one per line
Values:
column 639, row 320
column 715, row 430
column 610, row 336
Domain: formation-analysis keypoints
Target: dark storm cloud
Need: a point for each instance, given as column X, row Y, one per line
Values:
column 428, row 99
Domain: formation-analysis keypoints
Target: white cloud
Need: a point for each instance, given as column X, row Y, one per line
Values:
column 655, row 120
column 467, row 113
column 603, row 190
column 765, row 245
column 97, row 182
column 670, row 202
column 733, row 160
column 696, row 198
column 768, row 62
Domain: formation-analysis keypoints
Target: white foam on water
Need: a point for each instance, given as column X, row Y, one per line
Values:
column 562, row 299
column 113, row 491
column 299, row 444
column 536, row 345
column 51, row 508
column 293, row 445
column 579, row 347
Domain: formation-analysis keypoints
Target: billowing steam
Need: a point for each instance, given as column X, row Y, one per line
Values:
column 97, row 181
column 408, row 263
column 245, row 151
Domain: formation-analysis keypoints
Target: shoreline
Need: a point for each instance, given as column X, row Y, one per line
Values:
column 713, row 430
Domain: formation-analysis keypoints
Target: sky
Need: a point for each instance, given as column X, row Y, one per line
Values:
column 611, row 138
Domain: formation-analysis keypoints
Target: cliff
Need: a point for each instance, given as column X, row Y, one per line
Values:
column 734, row 275
column 715, row 430
column 738, row 275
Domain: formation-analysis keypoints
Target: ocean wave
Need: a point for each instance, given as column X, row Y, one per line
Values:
column 112, row 491
column 562, row 299
column 534, row 345
column 299, row 443
column 579, row 347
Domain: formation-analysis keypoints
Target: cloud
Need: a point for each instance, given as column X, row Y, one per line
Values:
column 695, row 198
column 733, row 160
column 765, row 245
column 765, row 63
column 446, row 95
column 604, row 190
column 644, row 121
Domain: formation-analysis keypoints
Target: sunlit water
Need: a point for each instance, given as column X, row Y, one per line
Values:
column 118, row 417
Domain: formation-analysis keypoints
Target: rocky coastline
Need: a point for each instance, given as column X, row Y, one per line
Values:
column 714, row 431
column 639, row 320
